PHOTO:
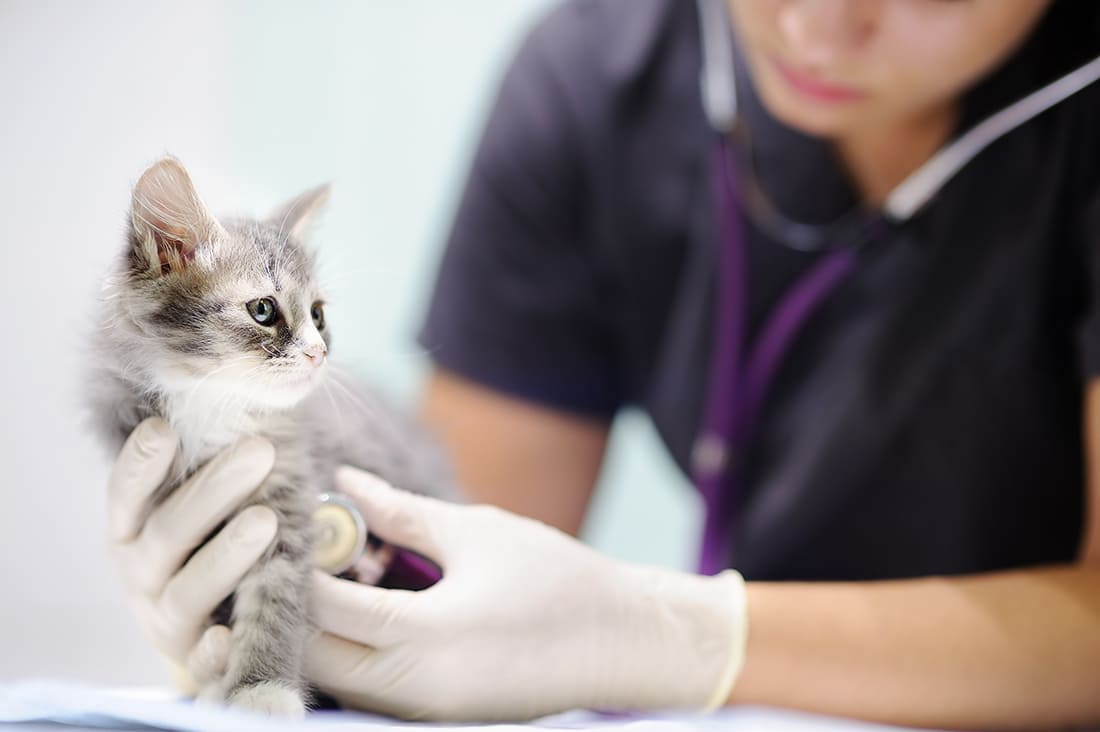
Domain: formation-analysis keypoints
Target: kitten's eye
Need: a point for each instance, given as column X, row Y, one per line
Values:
column 318, row 314
column 263, row 311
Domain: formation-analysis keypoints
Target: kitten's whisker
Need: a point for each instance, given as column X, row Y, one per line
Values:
column 377, row 418
column 283, row 238
column 215, row 414
column 194, row 388
column 326, row 386
column 230, row 403
column 325, row 274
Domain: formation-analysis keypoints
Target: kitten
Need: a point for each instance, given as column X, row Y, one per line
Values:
column 219, row 327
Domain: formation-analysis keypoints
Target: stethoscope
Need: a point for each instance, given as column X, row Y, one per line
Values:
column 344, row 547
column 741, row 372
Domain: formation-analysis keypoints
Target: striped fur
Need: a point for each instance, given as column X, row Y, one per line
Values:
column 176, row 339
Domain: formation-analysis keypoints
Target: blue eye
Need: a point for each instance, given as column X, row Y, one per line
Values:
column 264, row 311
column 318, row 314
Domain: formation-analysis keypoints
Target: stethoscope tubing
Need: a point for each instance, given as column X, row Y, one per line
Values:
column 718, row 87
column 740, row 373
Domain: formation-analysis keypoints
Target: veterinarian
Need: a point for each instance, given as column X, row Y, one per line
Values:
column 855, row 281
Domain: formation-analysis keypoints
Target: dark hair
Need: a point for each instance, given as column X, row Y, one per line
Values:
column 1067, row 36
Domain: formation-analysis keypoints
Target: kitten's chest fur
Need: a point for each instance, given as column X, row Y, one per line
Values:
column 207, row 427
column 349, row 426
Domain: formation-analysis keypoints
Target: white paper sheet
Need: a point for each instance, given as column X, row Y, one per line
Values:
column 31, row 703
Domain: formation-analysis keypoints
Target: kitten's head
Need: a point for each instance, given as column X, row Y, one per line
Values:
column 222, row 309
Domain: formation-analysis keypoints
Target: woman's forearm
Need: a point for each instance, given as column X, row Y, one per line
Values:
column 1016, row 649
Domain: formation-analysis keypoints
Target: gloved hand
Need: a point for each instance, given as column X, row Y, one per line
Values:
column 526, row 621
column 171, row 595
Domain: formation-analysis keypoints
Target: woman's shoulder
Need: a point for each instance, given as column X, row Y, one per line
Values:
column 599, row 52
column 621, row 35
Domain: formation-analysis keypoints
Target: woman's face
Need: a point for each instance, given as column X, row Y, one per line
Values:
column 834, row 68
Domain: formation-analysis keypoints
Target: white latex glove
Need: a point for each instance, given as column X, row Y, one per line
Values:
column 526, row 621
column 171, row 595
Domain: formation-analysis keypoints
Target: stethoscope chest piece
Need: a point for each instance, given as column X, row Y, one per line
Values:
column 341, row 538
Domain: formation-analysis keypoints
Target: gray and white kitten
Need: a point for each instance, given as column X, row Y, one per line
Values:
column 219, row 328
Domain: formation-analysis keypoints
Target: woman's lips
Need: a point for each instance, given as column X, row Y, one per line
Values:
column 816, row 88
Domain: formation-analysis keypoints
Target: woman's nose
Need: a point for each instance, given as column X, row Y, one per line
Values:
column 316, row 353
column 820, row 32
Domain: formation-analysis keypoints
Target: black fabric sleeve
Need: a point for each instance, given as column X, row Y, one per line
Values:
column 516, row 304
column 1088, row 335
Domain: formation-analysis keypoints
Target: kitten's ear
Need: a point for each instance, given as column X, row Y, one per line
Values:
column 168, row 219
column 296, row 215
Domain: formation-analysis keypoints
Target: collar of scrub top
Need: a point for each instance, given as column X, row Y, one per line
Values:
column 740, row 373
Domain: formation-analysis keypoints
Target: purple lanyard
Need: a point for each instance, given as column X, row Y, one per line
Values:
column 740, row 373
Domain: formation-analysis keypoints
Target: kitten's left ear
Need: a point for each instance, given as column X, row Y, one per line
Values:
column 168, row 219
column 296, row 215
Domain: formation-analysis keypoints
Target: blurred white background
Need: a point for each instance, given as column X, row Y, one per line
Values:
column 259, row 100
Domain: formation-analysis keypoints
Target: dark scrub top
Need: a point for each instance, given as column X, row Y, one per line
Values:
column 928, row 418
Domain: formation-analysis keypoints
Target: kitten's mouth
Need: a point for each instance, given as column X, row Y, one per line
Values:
column 288, row 389
column 308, row 377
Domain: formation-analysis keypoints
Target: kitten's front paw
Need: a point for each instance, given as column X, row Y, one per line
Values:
column 268, row 698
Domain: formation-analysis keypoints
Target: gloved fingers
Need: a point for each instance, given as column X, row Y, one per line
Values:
column 368, row 615
column 348, row 672
column 397, row 516
column 140, row 578
column 193, row 510
column 181, row 678
column 195, row 591
column 139, row 469
column 210, row 656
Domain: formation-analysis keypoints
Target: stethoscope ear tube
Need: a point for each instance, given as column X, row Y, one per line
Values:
column 718, row 86
column 741, row 371
column 916, row 190
column 717, row 80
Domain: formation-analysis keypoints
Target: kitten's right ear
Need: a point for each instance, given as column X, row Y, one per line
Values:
column 168, row 220
column 296, row 215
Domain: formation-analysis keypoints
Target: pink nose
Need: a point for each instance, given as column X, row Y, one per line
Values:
column 316, row 354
